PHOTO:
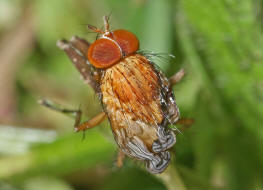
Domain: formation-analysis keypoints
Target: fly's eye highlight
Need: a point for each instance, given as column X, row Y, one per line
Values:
column 103, row 53
column 127, row 41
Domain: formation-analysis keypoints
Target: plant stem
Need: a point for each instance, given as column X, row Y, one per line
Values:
column 171, row 179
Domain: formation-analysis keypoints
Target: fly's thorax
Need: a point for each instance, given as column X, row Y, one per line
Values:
column 132, row 87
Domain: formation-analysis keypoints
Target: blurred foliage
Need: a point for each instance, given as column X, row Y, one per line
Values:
column 219, row 43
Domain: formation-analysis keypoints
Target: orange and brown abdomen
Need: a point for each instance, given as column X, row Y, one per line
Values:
column 131, row 95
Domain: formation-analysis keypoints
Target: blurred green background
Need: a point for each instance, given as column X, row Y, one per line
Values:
column 218, row 42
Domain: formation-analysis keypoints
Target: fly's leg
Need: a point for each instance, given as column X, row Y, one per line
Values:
column 78, row 126
column 185, row 122
column 56, row 107
column 177, row 77
column 96, row 120
column 120, row 158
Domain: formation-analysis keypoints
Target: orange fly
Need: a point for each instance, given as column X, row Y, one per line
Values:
column 137, row 98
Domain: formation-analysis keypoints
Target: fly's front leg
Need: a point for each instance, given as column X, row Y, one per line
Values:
column 78, row 126
column 177, row 77
column 56, row 107
column 96, row 120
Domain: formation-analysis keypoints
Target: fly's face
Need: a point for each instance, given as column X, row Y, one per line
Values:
column 136, row 98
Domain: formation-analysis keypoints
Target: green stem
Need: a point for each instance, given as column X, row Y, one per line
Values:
column 172, row 179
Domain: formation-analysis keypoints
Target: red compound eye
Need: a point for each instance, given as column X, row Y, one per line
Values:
column 103, row 53
column 126, row 40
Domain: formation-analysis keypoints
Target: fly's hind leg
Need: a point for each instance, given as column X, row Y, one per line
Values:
column 177, row 77
column 185, row 122
column 120, row 158
column 78, row 126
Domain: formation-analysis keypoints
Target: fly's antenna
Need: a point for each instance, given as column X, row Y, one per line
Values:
column 95, row 29
column 106, row 24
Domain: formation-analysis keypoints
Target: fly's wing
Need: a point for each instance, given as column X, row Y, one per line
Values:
column 133, row 95
column 169, row 107
column 171, row 114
